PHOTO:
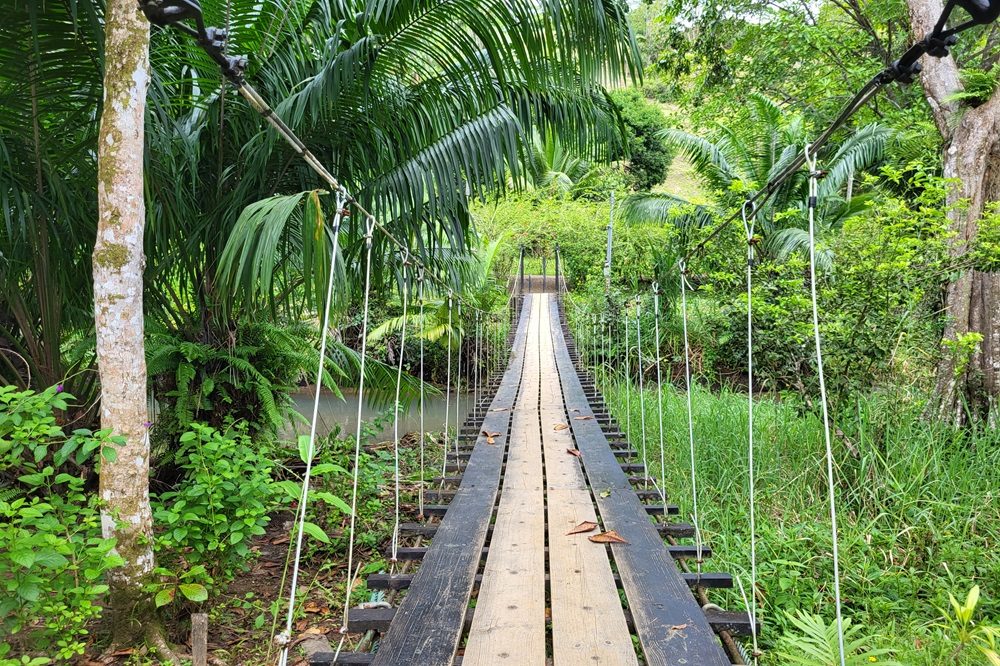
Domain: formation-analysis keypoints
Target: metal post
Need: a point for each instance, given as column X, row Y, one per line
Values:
column 558, row 284
column 520, row 289
column 545, row 274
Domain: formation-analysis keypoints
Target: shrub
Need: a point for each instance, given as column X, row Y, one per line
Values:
column 220, row 504
column 52, row 556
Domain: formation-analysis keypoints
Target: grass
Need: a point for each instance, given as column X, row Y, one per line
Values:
column 918, row 505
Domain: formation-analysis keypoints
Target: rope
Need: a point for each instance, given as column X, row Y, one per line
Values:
column 395, row 426
column 357, row 433
column 284, row 638
column 420, row 490
column 447, row 398
column 748, row 227
column 813, row 194
column 458, row 387
column 690, row 413
column 642, row 392
column 628, row 382
column 659, row 391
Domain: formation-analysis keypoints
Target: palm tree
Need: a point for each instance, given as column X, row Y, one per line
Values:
column 417, row 106
column 736, row 161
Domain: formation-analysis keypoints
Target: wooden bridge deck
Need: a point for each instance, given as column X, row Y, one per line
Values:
column 502, row 582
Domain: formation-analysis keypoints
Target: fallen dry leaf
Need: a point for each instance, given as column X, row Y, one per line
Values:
column 605, row 493
column 560, row 426
column 489, row 436
column 585, row 526
column 587, row 417
column 679, row 627
column 499, row 409
column 608, row 537
column 280, row 540
column 573, row 452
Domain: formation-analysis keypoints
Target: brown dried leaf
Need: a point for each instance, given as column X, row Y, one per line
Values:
column 560, row 426
column 608, row 537
column 679, row 627
column 588, row 417
column 573, row 452
column 585, row 526
column 489, row 436
column 279, row 540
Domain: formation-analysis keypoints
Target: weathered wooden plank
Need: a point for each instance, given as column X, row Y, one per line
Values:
column 402, row 581
column 509, row 624
column 657, row 594
column 588, row 622
column 380, row 619
column 429, row 623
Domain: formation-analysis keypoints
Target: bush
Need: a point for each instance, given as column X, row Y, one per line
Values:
column 222, row 502
column 52, row 555
column 648, row 157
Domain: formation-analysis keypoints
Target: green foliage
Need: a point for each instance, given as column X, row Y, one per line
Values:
column 222, row 502
column 962, row 627
column 247, row 377
column 978, row 85
column 914, row 522
column 815, row 643
column 580, row 228
column 648, row 157
column 52, row 556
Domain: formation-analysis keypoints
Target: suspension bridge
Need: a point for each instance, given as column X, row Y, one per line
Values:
column 548, row 543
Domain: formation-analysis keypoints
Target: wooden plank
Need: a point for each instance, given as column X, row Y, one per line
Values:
column 429, row 623
column 657, row 595
column 588, row 622
column 509, row 624
column 402, row 581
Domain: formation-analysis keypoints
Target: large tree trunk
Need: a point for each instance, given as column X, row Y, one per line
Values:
column 968, row 385
column 118, row 266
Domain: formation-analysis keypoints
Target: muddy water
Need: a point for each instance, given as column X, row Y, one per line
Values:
column 343, row 414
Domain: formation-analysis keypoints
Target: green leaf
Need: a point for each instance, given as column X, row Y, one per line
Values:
column 51, row 559
column 315, row 531
column 23, row 557
column 164, row 597
column 194, row 591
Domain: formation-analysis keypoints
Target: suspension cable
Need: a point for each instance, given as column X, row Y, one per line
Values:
column 748, row 227
column 404, row 295
column 690, row 414
column 813, row 194
column 357, row 432
column 628, row 382
column 284, row 638
column 642, row 392
column 458, row 385
column 420, row 489
column 447, row 398
column 659, row 390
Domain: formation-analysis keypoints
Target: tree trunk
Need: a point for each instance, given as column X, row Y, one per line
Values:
column 118, row 266
column 968, row 375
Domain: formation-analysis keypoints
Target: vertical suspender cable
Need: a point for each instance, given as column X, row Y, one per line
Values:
column 420, row 295
column 458, row 384
column 813, row 195
column 447, row 398
column 748, row 227
column 628, row 383
column 690, row 413
column 659, row 390
column 404, row 295
column 285, row 637
column 642, row 392
column 357, row 433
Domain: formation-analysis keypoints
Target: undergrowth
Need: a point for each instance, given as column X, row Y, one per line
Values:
column 918, row 507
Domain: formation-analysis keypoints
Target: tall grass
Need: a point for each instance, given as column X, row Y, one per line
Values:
column 918, row 508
